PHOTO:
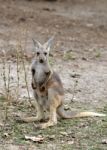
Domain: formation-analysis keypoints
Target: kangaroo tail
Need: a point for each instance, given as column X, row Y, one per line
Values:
column 69, row 114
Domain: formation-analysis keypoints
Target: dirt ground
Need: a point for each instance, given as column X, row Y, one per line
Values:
column 79, row 54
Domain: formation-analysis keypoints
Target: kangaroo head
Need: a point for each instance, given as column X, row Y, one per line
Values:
column 42, row 51
column 42, row 67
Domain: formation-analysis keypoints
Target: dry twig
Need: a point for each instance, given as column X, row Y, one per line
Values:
column 25, row 74
column 18, row 77
column 6, row 84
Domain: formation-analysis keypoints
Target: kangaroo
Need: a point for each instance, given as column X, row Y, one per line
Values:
column 48, row 90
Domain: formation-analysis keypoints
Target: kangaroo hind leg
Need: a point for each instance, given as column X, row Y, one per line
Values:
column 55, row 101
column 38, row 117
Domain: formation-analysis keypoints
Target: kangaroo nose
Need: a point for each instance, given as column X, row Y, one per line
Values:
column 41, row 61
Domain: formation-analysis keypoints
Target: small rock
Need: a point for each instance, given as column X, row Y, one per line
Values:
column 66, row 107
column 34, row 138
column 84, row 58
column 75, row 75
column 64, row 133
column 5, row 134
column 1, row 124
column 22, row 19
column 70, row 142
column 51, row 137
column 104, row 141
column 89, row 25
column 48, row 9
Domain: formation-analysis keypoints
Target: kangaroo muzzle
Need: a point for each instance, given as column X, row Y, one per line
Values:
column 41, row 60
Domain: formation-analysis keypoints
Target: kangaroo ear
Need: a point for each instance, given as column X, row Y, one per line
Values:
column 36, row 44
column 48, row 44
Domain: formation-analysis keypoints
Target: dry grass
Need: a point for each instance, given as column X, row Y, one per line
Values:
column 78, row 134
column 11, row 92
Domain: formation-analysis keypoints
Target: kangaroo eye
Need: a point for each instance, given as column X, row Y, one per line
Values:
column 45, row 53
column 38, row 53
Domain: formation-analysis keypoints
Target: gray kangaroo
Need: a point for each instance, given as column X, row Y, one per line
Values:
column 48, row 90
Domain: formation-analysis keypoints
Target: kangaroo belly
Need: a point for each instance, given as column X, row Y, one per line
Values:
column 42, row 98
column 43, row 101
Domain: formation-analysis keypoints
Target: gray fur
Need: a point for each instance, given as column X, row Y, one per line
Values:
column 40, row 71
column 58, row 89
